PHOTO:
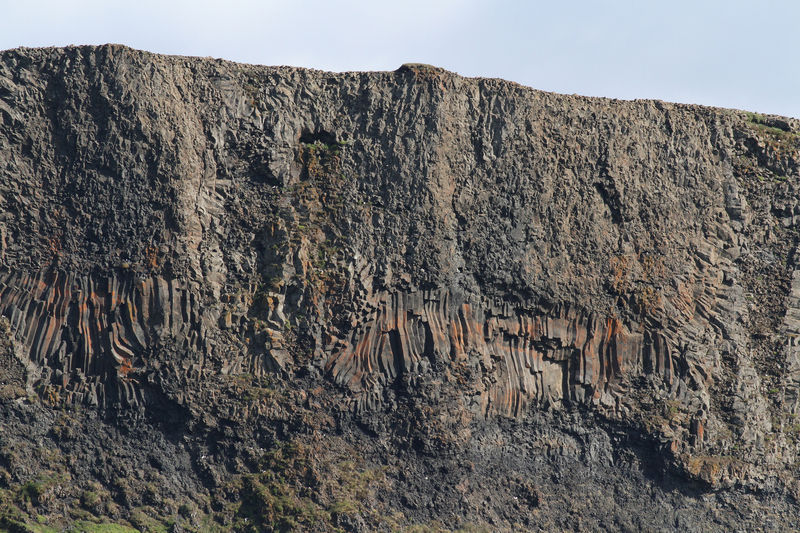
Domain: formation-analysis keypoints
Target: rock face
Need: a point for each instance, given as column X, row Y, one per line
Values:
column 272, row 298
column 566, row 357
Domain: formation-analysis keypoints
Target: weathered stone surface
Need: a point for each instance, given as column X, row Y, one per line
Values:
column 474, row 287
column 562, row 356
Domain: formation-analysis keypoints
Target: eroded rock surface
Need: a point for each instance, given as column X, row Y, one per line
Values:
column 389, row 299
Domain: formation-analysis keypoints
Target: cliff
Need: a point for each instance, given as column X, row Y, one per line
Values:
column 253, row 298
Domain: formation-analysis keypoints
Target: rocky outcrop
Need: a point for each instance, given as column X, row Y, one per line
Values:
column 564, row 356
column 255, row 267
column 84, row 332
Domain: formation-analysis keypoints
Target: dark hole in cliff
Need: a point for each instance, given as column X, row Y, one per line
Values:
column 325, row 137
column 611, row 198
column 397, row 352
column 259, row 171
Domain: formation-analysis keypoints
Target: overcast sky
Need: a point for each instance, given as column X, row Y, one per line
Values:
column 729, row 53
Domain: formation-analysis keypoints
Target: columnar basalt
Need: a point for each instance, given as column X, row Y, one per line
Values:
column 86, row 332
column 563, row 356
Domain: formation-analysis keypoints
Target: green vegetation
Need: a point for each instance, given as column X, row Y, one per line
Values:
column 268, row 499
column 776, row 133
column 438, row 527
column 14, row 519
column 791, row 426
column 141, row 520
column 767, row 124
column 321, row 160
column 292, row 487
column 101, row 527
column 252, row 388
column 21, row 503
column 292, row 490
column 38, row 491
column 343, row 507
column 268, row 503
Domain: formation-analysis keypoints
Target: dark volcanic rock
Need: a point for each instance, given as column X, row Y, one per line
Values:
column 259, row 298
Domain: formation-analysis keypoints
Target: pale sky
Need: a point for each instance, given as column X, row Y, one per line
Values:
column 728, row 53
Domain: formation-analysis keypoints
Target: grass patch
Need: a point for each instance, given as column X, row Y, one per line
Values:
column 778, row 133
column 101, row 527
